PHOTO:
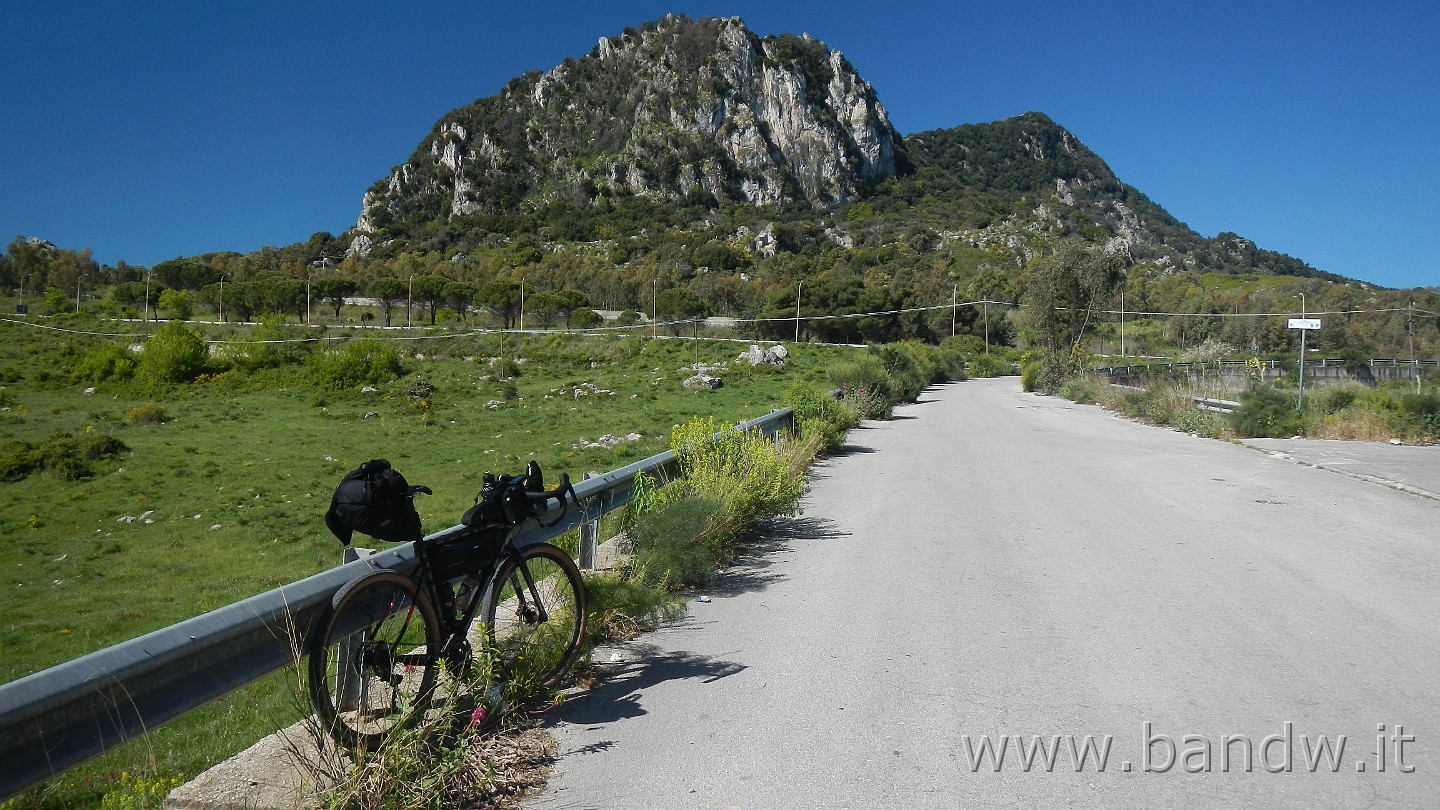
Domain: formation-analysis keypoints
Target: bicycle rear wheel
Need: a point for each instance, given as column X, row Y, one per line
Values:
column 535, row 615
column 373, row 664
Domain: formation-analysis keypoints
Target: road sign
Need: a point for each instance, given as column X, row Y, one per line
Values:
column 1304, row 323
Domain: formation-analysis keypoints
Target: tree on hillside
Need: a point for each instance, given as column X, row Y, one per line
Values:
column 184, row 274
column 334, row 290
column 180, row 304
column 387, row 292
column 459, row 295
column 1062, row 292
column 172, row 355
column 280, row 293
column 502, row 297
column 430, row 291
column 568, row 301
column 584, row 318
column 543, row 308
column 678, row 305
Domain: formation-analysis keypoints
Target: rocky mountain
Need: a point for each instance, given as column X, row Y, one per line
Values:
column 705, row 114
column 703, row 110
column 1033, row 182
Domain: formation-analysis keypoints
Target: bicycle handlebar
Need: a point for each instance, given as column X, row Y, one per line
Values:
column 558, row 492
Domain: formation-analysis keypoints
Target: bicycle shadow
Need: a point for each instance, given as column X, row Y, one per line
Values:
column 641, row 666
column 627, row 670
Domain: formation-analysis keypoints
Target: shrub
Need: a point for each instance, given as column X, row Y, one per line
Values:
column 744, row 471
column 963, row 344
column 865, row 371
column 680, row 544
column 359, row 362
column 620, row 605
column 1201, row 423
column 172, row 355
column 1030, row 375
column 274, row 343
column 904, row 379
column 952, row 364
column 148, row 414
column 1425, row 408
column 868, row 403
column 1266, row 412
column 821, row 413
column 1420, row 404
column 61, row 453
column 18, row 460
column 864, row 384
column 1334, row 400
column 179, row 303
column 106, row 362
column 1081, row 389
column 990, row 365
column 924, row 360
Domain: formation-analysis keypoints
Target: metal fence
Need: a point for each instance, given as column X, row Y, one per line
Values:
column 54, row 720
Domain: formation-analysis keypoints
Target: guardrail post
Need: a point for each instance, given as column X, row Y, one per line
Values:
column 589, row 531
column 348, row 689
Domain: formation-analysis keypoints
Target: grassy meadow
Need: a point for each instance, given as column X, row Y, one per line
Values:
column 221, row 491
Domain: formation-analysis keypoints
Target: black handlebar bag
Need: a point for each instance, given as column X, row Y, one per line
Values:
column 377, row 501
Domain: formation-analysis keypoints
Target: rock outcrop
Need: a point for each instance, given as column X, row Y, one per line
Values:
column 681, row 108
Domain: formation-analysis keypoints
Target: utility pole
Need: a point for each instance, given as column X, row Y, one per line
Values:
column 798, row 288
column 985, row 314
column 1301, row 402
column 322, row 262
column 1122, row 321
column 1410, row 331
column 954, row 307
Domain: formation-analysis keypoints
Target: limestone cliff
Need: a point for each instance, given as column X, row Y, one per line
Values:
column 682, row 108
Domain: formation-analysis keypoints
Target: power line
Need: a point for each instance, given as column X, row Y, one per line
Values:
column 656, row 324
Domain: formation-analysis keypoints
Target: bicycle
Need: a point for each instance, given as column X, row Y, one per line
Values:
column 381, row 647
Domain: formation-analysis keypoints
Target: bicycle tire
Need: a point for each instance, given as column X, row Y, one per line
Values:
column 373, row 664
column 526, row 649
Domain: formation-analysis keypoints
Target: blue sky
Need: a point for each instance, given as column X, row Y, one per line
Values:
column 147, row 131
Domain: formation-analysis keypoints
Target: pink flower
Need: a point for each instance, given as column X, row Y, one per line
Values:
column 477, row 717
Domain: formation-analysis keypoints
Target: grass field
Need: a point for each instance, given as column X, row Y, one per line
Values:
column 225, row 497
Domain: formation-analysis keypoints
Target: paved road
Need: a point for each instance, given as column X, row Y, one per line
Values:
column 1410, row 468
column 997, row 563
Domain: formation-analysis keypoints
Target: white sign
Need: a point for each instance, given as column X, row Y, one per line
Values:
column 1304, row 323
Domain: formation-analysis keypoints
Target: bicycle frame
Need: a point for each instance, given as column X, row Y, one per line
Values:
column 457, row 629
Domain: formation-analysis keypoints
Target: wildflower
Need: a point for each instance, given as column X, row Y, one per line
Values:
column 477, row 717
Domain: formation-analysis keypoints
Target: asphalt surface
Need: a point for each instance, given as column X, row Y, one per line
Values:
column 1410, row 468
column 999, row 567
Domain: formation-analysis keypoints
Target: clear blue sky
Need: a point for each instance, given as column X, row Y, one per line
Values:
column 147, row 131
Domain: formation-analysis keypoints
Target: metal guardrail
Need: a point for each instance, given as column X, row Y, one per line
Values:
column 1150, row 368
column 1216, row 405
column 53, row 720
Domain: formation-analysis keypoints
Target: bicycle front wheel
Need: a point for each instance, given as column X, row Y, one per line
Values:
column 535, row 615
column 373, row 663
